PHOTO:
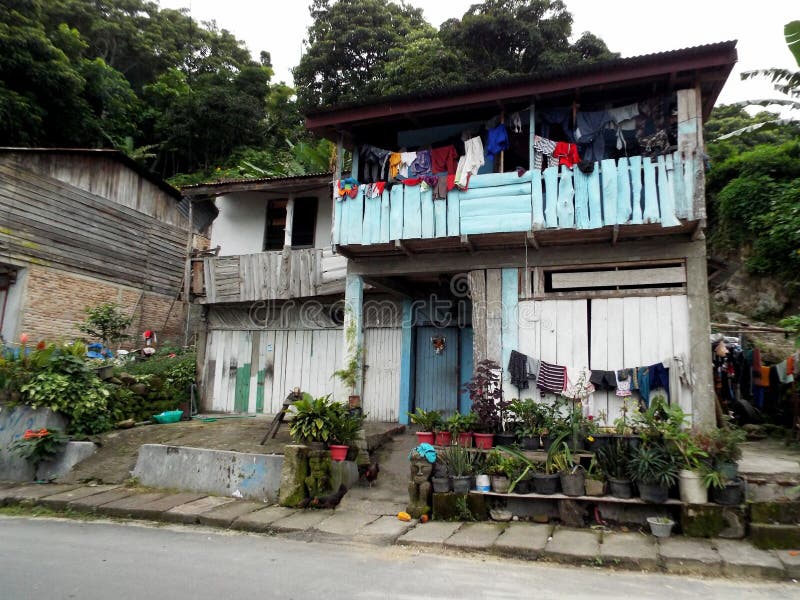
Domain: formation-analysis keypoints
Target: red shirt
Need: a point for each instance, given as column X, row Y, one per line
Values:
column 444, row 159
column 567, row 154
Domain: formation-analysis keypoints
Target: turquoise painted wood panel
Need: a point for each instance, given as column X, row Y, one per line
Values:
column 355, row 212
column 665, row 195
column 346, row 204
column 608, row 177
column 426, row 210
column 595, row 210
column 636, row 189
column 372, row 221
column 581, row 182
column 650, row 212
column 623, row 191
column 537, row 200
column 337, row 220
column 510, row 318
column 385, row 217
column 436, row 380
column 440, row 218
column 688, row 185
column 491, row 207
column 678, row 192
column 465, row 367
column 396, row 213
column 412, row 212
column 406, row 363
column 500, row 223
column 453, row 212
column 495, row 179
column 550, row 196
column 514, row 189
column 565, row 207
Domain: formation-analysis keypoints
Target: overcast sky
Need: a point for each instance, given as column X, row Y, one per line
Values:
column 628, row 27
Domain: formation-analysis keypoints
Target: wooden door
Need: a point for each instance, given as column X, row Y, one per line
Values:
column 437, row 373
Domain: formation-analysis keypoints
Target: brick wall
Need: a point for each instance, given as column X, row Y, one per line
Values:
column 54, row 304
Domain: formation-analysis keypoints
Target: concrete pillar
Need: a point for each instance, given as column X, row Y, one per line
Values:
column 703, row 411
column 354, row 328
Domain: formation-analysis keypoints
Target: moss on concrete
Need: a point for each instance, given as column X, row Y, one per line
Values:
column 459, row 507
column 699, row 520
column 778, row 537
column 775, row 512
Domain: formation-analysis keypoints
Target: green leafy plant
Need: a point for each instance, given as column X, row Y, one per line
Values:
column 106, row 322
column 614, row 459
column 653, row 464
column 38, row 446
column 595, row 471
column 428, row 420
column 563, row 460
column 313, row 419
column 459, row 461
column 345, row 425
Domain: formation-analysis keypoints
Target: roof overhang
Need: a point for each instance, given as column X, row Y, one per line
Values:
column 277, row 185
column 626, row 79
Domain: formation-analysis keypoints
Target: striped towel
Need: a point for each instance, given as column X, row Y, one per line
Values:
column 552, row 378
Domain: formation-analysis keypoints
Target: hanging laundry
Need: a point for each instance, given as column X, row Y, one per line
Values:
column 579, row 385
column 428, row 182
column 764, row 376
column 589, row 133
column 518, row 369
column 623, row 118
column 496, row 140
column 542, row 147
column 561, row 117
column 374, row 162
column 784, row 373
column 421, row 165
column 624, row 381
column 756, row 369
column 516, row 123
column 653, row 145
column 551, row 378
column 348, row 187
column 412, row 181
column 604, row 380
column 374, row 190
column 659, row 378
column 451, row 182
column 470, row 162
column 394, row 161
column 444, row 160
column 440, row 190
column 643, row 376
column 566, row 154
column 406, row 160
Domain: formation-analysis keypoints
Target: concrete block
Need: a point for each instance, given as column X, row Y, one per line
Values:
column 31, row 494
column 74, row 452
column 384, row 530
column 91, row 503
column 344, row 523
column 573, row 545
column 632, row 550
column 778, row 537
column 459, row 507
column 433, row 533
column 713, row 520
column 255, row 476
column 260, row 521
column 689, row 556
column 13, row 423
column 190, row 512
column 523, row 540
column 60, row 501
column 740, row 559
column 373, row 507
column 343, row 472
column 129, row 507
column 302, row 520
column 790, row 559
column 228, row 513
column 156, row 508
column 785, row 513
column 474, row 537
column 294, row 471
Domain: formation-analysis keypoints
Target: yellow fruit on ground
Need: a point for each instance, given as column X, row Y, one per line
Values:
column 403, row 516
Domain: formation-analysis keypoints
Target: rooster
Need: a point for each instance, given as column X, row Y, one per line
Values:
column 371, row 473
column 331, row 500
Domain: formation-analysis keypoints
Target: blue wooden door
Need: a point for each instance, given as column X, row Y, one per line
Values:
column 437, row 373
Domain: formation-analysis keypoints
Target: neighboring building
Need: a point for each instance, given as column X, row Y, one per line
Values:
column 81, row 227
column 599, row 266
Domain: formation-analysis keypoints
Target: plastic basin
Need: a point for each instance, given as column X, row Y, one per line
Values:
column 169, row 416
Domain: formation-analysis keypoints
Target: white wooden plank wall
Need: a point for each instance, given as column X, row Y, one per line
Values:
column 381, row 398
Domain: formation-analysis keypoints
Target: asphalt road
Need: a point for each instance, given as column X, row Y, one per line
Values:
column 46, row 559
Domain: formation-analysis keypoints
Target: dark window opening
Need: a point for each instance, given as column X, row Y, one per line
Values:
column 304, row 222
column 274, row 232
column 595, row 287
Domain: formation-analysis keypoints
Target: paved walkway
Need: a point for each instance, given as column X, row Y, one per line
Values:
column 517, row 540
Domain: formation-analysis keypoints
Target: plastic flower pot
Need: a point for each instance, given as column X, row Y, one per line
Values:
column 660, row 526
column 524, row 486
column 692, row 488
column 530, row 443
column 483, row 441
column 654, row 493
column 339, row 452
column 443, row 438
column 595, row 487
column 465, row 439
column 483, row 483
column 461, row 484
column 425, row 437
column 441, row 485
column 572, row 484
column 731, row 495
column 504, row 438
column 620, row 488
column 546, row 484
column 729, row 470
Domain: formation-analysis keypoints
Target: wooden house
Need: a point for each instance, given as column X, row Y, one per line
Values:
column 80, row 227
column 599, row 264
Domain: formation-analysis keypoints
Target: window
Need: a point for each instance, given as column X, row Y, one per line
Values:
column 304, row 222
column 274, row 232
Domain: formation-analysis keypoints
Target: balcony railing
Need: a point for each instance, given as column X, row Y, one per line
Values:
column 278, row 275
column 625, row 192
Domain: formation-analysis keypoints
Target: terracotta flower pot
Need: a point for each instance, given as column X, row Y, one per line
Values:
column 443, row 438
column 465, row 439
column 338, row 452
column 484, row 440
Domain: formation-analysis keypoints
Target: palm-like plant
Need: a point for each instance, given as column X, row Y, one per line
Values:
column 783, row 80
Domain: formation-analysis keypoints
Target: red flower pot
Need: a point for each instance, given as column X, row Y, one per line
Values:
column 425, row 437
column 465, row 439
column 443, row 438
column 338, row 453
column 484, row 440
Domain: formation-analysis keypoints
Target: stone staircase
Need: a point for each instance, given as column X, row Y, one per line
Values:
column 775, row 525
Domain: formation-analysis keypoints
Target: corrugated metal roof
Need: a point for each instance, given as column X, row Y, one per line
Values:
column 257, row 180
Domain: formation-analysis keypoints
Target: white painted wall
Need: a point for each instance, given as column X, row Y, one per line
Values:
column 239, row 228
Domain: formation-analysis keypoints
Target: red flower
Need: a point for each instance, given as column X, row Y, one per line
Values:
column 23, row 339
column 41, row 345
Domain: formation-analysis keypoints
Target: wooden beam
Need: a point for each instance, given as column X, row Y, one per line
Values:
column 530, row 240
column 389, row 286
column 698, row 233
column 401, row 246
column 466, row 242
column 614, row 235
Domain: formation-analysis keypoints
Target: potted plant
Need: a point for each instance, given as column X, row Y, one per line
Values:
column 444, row 431
column 312, row 421
column 459, row 462
column 692, row 482
column 485, row 392
column 349, row 374
column 498, row 467
column 727, row 450
column 428, row 421
column 570, row 471
column 654, row 470
column 660, row 527
column 462, row 429
column 613, row 460
column 528, row 417
column 345, row 428
column 595, row 482
column 38, row 446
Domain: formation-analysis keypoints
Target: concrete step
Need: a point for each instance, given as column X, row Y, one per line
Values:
column 775, row 513
column 769, row 536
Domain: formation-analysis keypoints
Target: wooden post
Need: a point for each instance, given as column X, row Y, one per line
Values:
column 336, row 215
column 502, row 152
column 477, row 289
column 287, row 232
column 354, row 167
column 690, row 146
column 531, row 134
column 406, row 362
column 187, row 274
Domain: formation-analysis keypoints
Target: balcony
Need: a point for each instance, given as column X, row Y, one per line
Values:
column 279, row 275
column 621, row 199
